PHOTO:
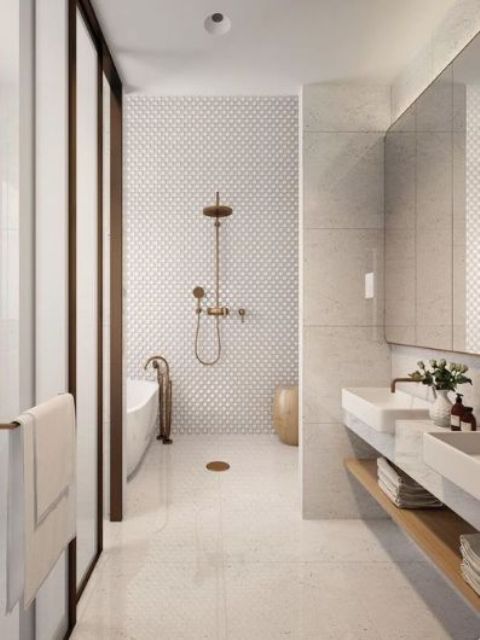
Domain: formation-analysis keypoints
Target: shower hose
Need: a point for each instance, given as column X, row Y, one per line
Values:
column 217, row 302
column 219, row 342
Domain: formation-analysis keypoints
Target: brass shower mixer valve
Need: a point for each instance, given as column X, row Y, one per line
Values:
column 199, row 294
column 218, row 311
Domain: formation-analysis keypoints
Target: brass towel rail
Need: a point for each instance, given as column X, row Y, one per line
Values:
column 9, row 426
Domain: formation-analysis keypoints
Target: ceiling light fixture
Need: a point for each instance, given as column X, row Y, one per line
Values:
column 217, row 24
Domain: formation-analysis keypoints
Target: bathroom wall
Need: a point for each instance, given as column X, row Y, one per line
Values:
column 460, row 25
column 178, row 152
column 343, row 344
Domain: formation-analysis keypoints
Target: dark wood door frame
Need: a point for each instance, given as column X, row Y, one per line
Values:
column 106, row 67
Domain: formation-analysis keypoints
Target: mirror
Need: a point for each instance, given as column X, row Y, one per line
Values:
column 466, row 200
column 432, row 220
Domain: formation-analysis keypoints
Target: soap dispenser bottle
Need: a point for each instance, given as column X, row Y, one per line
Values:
column 468, row 422
column 456, row 413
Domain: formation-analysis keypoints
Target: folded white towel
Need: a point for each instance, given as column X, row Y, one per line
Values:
column 470, row 550
column 16, row 519
column 471, row 542
column 397, row 477
column 470, row 576
column 54, row 446
column 47, row 537
column 404, row 490
column 471, row 559
column 11, row 519
column 422, row 502
column 389, row 493
column 384, row 466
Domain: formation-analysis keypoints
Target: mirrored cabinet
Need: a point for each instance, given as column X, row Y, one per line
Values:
column 432, row 214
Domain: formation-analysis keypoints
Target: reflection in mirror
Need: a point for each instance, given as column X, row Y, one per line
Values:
column 466, row 228
column 400, row 289
column 433, row 227
column 418, row 220
column 432, row 213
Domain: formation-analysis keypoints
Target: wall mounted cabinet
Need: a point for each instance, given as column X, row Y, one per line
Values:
column 432, row 213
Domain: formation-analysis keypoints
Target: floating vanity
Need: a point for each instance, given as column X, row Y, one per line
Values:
column 445, row 463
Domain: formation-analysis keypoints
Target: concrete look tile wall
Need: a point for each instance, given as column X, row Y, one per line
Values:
column 178, row 152
column 460, row 25
column 343, row 344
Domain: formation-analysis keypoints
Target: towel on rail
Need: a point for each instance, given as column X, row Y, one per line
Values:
column 54, row 446
column 11, row 519
column 49, row 449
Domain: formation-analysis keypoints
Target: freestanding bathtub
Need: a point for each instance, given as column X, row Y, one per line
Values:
column 142, row 410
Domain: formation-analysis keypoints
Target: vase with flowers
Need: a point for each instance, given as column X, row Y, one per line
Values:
column 442, row 378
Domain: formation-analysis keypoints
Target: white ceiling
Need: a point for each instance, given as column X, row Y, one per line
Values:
column 274, row 46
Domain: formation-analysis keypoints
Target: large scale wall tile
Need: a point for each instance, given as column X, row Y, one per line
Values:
column 399, row 294
column 460, row 25
column 333, row 256
column 434, row 232
column 346, row 107
column 178, row 152
column 343, row 180
column 400, row 168
column 336, row 357
column 329, row 490
column 434, row 108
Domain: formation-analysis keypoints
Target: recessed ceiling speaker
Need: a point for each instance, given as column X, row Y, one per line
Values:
column 217, row 24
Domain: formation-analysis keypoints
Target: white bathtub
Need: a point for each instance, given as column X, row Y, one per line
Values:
column 142, row 410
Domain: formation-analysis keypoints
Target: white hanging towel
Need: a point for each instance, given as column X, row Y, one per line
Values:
column 11, row 519
column 49, row 454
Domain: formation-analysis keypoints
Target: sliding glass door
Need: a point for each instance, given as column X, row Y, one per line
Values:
column 88, row 297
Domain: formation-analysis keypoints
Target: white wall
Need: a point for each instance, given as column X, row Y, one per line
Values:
column 459, row 26
column 343, row 344
column 178, row 151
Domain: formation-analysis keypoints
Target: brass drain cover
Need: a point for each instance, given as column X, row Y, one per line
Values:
column 218, row 465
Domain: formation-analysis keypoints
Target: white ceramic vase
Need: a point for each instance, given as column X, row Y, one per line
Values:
column 440, row 409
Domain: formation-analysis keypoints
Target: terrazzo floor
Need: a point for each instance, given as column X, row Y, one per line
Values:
column 216, row 556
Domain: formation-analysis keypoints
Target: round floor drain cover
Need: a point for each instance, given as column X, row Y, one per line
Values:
column 218, row 465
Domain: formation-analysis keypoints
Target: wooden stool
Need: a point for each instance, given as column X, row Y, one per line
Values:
column 285, row 413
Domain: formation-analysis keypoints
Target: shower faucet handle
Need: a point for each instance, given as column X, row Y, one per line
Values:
column 242, row 313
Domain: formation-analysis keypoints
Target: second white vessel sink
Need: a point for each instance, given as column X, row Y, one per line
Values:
column 380, row 408
column 455, row 456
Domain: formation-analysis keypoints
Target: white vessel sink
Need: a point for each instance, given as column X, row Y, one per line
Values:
column 380, row 408
column 455, row 456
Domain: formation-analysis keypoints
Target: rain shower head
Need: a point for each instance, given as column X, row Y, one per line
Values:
column 217, row 210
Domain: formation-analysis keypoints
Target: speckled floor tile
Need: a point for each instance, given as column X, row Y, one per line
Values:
column 226, row 556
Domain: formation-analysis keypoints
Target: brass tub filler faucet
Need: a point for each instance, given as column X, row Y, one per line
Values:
column 161, row 366
column 218, row 311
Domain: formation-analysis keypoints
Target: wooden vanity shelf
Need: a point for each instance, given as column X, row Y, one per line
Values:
column 436, row 531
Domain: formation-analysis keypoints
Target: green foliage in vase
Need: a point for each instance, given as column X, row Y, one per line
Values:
column 440, row 375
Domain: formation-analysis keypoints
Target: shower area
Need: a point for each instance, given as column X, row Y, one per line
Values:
column 211, row 254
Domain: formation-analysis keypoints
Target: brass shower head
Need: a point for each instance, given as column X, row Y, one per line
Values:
column 199, row 293
column 217, row 210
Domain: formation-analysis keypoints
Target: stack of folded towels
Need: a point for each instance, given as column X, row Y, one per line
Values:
column 401, row 489
column 470, row 549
